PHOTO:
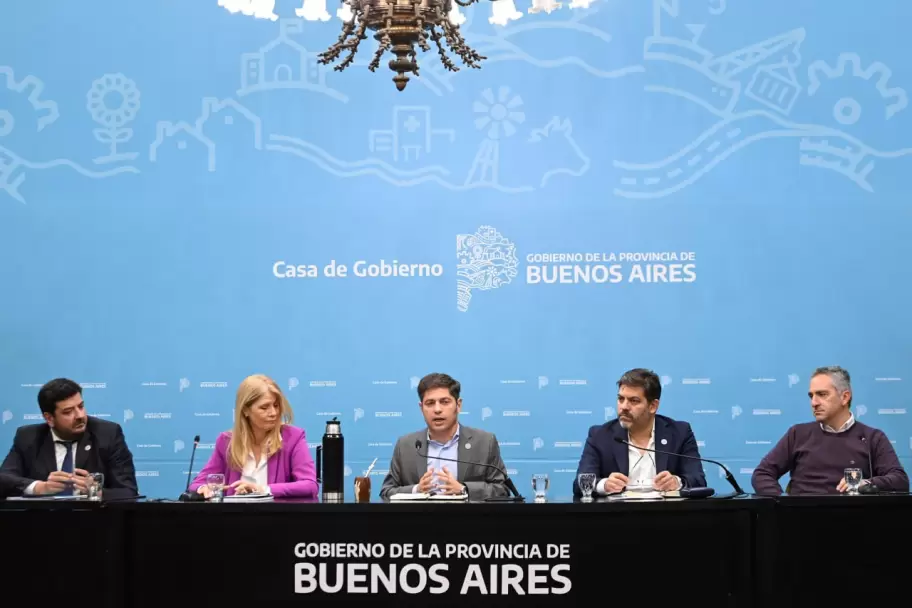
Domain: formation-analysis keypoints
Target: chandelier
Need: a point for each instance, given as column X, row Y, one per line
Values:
column 399, row 26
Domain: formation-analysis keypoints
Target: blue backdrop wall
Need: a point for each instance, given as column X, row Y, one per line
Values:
column 717, row 190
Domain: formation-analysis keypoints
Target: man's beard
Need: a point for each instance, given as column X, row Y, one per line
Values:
column 71, row 435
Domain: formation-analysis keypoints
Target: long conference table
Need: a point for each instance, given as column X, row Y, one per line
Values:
column 747, row 551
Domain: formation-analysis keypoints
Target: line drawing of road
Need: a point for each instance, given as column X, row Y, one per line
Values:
column 12, row 171
column 734, row 133
column 720, row 83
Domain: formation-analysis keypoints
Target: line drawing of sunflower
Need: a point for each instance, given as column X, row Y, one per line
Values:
column 113, row 101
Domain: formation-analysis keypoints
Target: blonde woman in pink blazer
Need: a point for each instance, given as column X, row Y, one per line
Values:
column 263, row 453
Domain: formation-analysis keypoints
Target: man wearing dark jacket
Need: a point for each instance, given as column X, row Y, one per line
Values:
column 56, row 456
column 10, row 485
column 618, row 452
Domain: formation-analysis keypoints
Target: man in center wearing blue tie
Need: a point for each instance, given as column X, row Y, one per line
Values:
column 423, row 461
column 618, row 452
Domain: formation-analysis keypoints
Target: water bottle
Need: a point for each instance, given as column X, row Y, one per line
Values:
column 331, row 463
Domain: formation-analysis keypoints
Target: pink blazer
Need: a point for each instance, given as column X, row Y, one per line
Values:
column 291, row 470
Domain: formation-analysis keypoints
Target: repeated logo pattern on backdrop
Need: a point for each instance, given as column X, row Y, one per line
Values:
column 713, row 189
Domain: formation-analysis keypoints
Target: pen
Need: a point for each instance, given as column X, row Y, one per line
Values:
column 370, row 468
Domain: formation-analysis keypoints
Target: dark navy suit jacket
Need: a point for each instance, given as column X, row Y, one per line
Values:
column 603, row 455
column 101, row 449
column 11, row 485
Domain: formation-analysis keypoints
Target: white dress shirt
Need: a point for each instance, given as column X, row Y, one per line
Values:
column 60, row 451
column 257, row 473
column 436, row 451
column 845, row 427
column 642, row 466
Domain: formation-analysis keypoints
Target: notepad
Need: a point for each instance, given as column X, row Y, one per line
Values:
column 413, row 496
column 449, row 497
column 654, row 495
column 249, row 498
column 409, row 496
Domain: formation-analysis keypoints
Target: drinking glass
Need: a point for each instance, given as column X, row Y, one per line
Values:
column 216, row 483
column 94, row 486
column 362, row 489
column 540, row 484
column 586, row 483
column 853, row 479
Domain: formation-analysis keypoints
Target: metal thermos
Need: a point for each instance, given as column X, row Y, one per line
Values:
column 331, row 463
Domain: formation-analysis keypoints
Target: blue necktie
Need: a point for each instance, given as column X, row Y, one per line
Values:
column 67, row 466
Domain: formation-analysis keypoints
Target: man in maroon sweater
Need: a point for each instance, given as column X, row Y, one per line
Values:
column 815, row 454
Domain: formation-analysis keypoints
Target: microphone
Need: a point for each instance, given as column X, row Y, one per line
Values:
column 728, row 475
column 869, row 488
column 189, row 496
column 517, row 497
column 864, row 440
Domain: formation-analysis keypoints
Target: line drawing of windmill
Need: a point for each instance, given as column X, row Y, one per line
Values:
column 498, row 117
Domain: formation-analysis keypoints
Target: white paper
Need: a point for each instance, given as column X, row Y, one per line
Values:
column 409, row 496
column 458, row 497
column 249, row 498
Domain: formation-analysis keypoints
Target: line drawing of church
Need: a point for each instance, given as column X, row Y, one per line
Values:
column 285, row 63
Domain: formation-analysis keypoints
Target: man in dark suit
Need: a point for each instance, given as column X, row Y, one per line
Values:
column 10, row 485
column 617, row 465
column 55, row 457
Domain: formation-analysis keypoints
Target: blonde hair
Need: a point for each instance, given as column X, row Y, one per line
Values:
column 252, row 389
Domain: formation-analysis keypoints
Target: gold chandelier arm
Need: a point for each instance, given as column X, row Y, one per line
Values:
column 384, row 44
column 402, row 28
column 456, row 42
column 444, row 60
column 336, row 49
column 353, row 44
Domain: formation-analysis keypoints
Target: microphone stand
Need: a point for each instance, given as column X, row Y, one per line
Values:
column 517, row 497
column 728, row 474
column 187, row 495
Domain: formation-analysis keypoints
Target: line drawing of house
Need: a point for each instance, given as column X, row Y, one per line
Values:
column 213, row 107
column 180, row 133
column 410, row 135
column 284, row 63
